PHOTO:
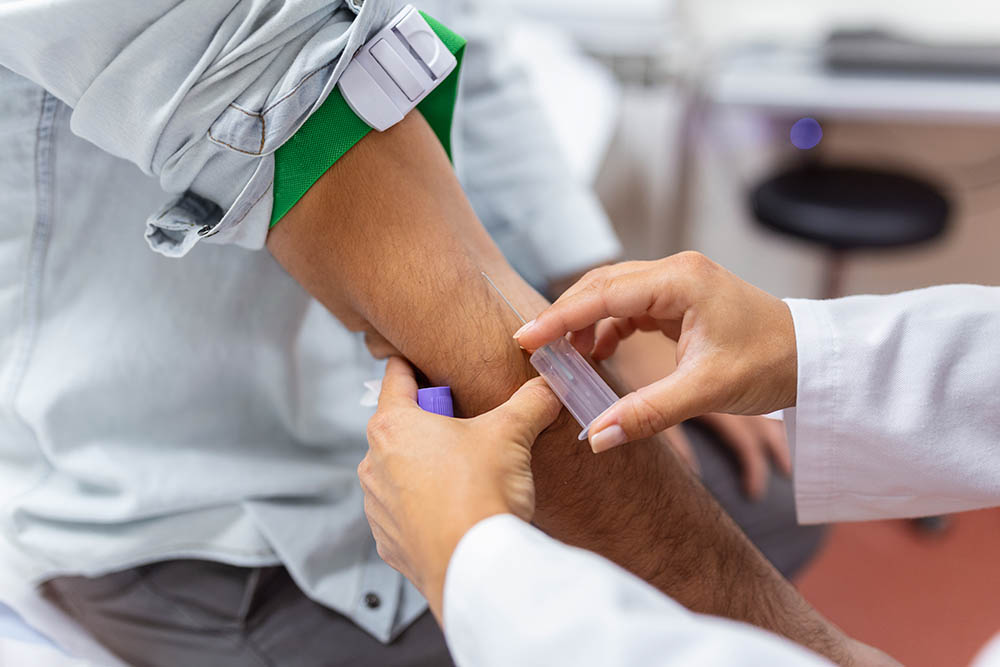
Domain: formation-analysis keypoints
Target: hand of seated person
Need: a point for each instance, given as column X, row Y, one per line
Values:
column 754, row 441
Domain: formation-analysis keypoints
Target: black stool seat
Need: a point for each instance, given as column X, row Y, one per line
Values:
column 845, row 208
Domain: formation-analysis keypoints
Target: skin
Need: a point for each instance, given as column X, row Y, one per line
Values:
column 429, row 479
column 735, row 343
column 403, row 263
column 641, row 360
column 756, row 442
column 400, row 481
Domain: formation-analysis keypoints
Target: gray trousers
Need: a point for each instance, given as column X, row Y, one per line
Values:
column 192, row 613
column 189, row 613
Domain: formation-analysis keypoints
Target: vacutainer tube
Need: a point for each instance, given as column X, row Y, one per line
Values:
column 584, row 393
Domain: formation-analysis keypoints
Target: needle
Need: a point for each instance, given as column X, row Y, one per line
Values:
column 505, row 299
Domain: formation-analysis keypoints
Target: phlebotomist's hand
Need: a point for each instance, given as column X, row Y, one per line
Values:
column 735, row 343
column 428, row 479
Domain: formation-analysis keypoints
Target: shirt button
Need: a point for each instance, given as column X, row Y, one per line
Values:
column 372, row 601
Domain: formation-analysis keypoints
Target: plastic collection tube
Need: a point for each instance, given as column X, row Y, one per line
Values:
column 574, row 381
column 584, row 393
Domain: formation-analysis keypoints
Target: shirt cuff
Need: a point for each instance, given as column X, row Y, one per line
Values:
column 811, row 425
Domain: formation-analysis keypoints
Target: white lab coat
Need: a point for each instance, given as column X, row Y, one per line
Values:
column 897, row 416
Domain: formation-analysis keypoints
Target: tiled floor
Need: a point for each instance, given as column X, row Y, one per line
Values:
column 928, row 601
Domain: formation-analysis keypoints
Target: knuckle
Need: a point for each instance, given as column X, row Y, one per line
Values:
column 646, row 416
column 379, row 428
column 537, row 391
column 693, row 261
column 598, row 280
column 594, row 275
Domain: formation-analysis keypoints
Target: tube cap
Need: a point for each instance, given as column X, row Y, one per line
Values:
column 436, row 400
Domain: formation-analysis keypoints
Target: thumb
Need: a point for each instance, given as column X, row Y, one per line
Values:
column 647, row 411
column 528, row 412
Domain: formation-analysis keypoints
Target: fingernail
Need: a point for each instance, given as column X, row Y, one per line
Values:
column 604, row 440
column 517, row 334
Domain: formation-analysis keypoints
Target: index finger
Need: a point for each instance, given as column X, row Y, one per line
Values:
column 399, row 386
column 655, row 291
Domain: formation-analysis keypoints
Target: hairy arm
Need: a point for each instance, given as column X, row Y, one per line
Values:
column 388, row 242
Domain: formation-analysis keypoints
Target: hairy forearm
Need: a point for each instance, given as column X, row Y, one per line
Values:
column 388, row 242
column 649, row 514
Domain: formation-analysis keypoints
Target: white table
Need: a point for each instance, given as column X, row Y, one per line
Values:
column 793, row 81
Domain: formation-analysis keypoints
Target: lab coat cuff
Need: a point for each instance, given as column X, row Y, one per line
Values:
column 811, row 425
column 494, row 550
column 471, row 557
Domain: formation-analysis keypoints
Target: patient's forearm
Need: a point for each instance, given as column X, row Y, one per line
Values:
column 386, row 239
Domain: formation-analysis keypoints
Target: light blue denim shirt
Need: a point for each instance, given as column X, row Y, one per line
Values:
column 152, row 408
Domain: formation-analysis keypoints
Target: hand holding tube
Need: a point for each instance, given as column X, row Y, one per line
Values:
column 735, row 343
column 428, row 479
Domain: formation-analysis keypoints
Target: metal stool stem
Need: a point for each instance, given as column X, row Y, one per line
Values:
column 833, row 274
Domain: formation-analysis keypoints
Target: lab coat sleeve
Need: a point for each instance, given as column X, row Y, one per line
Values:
column 898, row 408
column 199, row 94
column 548, row 223
column 514, row 596
column 989, row 656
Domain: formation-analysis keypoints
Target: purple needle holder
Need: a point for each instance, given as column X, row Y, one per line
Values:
column 436, row 400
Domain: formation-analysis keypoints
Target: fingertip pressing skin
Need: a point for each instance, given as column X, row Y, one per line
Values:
column 399, row 381
column 541, row 331
column 543, row 403
column 606, row 432
column 607, row 438
column 524, row 328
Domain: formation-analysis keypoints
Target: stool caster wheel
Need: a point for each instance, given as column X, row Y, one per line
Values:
column 932, row 525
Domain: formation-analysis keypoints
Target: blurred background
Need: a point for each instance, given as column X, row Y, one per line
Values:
column 817, row 149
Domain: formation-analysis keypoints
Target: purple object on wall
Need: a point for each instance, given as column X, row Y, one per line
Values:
column 436, row 400
column 806, row 134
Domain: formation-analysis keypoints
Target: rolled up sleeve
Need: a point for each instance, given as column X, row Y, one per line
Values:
column 199, row 94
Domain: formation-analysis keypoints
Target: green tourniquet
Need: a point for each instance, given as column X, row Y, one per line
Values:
column 334, row 128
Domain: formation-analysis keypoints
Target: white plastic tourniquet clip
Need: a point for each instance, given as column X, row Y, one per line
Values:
column 395, row 70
